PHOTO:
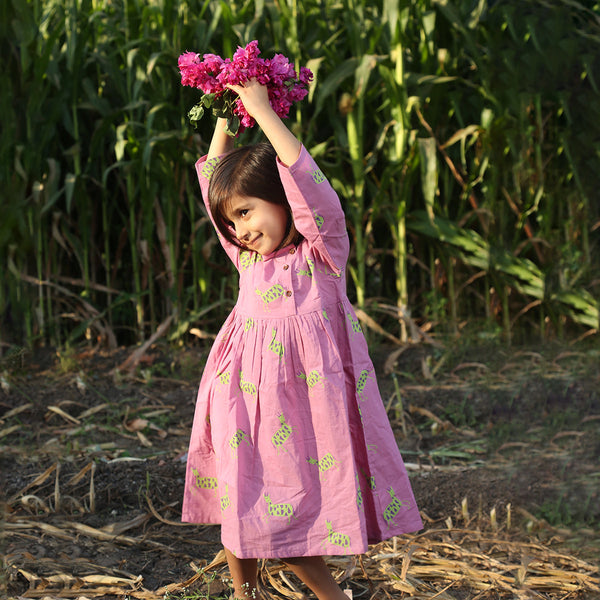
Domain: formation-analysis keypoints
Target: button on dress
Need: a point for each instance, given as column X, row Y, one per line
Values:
column 291, row 450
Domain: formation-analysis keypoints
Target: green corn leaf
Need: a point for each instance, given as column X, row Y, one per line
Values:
column 333, row 82
column 363, row 73
column 419, row 79
column 429, row 172
column 70, row 183
column 580, row 305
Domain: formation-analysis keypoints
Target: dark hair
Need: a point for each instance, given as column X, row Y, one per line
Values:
column 244, row 172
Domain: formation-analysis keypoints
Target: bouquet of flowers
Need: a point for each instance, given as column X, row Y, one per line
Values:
column 212, row 74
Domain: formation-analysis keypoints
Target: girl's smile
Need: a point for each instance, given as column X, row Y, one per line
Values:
column 259, row 225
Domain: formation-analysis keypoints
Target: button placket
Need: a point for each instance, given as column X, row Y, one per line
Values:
column 286, row 267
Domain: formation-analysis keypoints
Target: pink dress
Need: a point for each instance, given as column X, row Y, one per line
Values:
column 291, row 449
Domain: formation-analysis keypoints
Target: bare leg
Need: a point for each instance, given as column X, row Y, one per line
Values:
column 244, row 573
column 314, row 573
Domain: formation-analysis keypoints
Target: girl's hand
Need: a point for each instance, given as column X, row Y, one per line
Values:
column 254, row 97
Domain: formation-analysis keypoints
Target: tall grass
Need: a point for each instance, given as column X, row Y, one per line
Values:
column 463, row 142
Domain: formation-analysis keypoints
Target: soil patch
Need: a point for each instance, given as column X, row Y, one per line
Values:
column 500, row 445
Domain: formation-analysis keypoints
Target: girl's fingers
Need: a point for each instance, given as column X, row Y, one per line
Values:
column 234, row 87
column 253, row 95
column 242, row 85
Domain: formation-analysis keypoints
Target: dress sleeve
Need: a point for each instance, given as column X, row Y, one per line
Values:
column 316, row 209
column 204, row 170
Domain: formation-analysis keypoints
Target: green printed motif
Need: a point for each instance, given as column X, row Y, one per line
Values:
column 361, row 383
column 393, row 508
column 370, row 481
column 319, row 220
column 335, row 537
column 276, row 347
column 224, row 377
column 327, row 271
column 325, row 463
column 249, row 259
column 317, row 175
column 308, row 272
column 246, row 386
column 274, row 292
column 281, row 436
column 325, row 315
column 249, row 324
column 359, row 498
column 355, row 324
column 312, row 378
column 279, row 510
column 225, row 336
column 334, row 274
column 204, row 483
column 238, row 437
column 225, row 501
column 209, row 167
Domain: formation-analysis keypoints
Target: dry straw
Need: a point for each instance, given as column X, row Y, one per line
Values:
column 483, row 559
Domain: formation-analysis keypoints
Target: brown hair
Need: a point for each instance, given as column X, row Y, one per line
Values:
column 248, row 171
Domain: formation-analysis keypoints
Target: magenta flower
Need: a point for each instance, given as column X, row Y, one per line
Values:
column 212, row 74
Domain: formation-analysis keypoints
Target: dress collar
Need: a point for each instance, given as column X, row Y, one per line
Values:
column 289, row 249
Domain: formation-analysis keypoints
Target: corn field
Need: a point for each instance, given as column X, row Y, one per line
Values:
column 462, row 137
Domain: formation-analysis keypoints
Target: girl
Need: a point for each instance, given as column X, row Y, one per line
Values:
column 291, row 449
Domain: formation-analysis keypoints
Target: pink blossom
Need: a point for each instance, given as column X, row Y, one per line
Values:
column 213, row 74
column 213, row 63
column 187, row 59
column 280, row 68
column 244, row 57
column 188, row 63
column 306, row 75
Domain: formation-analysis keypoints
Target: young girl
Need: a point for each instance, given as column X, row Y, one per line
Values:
column 291, row 449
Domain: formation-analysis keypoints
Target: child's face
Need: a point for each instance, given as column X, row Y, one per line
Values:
column 259, row 225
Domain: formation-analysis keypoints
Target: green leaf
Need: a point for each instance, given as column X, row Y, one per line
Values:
column 429, row 171
column 580, row 305
column 207, row 100
column 196, row 113
column 334, row 81
column 70, row 183
column 363, row 73
column 233, row 125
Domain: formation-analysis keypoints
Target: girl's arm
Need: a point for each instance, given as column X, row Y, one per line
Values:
column 255, row 98
column 221, row 143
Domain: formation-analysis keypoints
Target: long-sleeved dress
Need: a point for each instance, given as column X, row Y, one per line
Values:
column 291, row 449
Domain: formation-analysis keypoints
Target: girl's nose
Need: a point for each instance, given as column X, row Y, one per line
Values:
column 241, row 233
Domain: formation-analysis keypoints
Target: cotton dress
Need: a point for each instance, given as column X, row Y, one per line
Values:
column 291, row 449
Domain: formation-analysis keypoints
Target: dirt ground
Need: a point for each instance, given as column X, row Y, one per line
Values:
column 92, row 464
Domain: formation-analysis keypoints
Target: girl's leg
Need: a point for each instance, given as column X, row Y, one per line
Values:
column 244, row 573
column 314, row 573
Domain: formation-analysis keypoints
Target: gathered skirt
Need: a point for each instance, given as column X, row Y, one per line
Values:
column 291, row 450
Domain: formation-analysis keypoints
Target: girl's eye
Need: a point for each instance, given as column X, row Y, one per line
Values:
column 243, row 212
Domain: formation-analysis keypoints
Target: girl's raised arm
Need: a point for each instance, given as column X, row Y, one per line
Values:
column 255, row 98
column 221, row 143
